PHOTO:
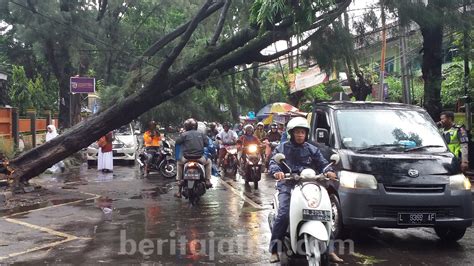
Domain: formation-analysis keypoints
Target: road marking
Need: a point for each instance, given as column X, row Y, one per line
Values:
column 67, row 237
column 44, row 229
column 54, row 206
column 241, row 195
column 36, row 248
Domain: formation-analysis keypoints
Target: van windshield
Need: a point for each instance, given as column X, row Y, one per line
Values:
column 394, row 130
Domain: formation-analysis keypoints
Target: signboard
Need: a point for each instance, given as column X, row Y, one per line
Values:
column 82, row 85
column 309, row 78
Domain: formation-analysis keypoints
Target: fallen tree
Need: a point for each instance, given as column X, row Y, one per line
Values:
column 242, row 48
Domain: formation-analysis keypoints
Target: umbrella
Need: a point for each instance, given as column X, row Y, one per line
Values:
column 274, row 108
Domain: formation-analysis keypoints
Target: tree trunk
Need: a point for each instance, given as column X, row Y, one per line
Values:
column 431, row 68
column 234, row 109
column 243, row 48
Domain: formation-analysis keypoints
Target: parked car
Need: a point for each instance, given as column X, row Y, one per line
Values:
column 125, row 145
column 395, row 169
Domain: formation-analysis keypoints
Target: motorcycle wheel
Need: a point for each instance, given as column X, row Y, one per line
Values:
column 255, row 185
column 168, row 168
column 314, row 258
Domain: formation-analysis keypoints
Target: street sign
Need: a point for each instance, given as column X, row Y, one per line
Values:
column 82, row 85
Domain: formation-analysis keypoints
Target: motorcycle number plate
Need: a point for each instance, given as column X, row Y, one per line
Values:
column 416, row 218
column 192, row 176
column 316, row 215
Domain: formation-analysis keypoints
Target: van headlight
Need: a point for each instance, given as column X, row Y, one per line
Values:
column 459, row 182
column 357, row 180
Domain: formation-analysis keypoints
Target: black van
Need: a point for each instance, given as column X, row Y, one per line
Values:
column 395, row 169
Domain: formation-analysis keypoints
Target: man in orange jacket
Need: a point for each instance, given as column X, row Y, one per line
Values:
column 151, row 139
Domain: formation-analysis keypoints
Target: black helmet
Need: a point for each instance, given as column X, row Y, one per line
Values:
column 274, row 125
column 226, row 124
column 190, row 124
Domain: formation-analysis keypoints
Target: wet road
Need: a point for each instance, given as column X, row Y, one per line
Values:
column 120, row 218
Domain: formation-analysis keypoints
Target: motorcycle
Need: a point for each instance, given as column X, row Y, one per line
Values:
column 162, row 160
column 252, row 164
column 310, row 215
column 230, row 161
column 269, row 147
column 194, row 183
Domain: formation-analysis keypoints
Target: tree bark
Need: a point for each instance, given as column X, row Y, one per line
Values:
column 163, row 86
column 220, row 23
column 431, row 68
column 234, row 108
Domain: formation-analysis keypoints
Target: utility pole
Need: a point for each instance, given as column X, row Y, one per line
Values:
column 382, row 60
column 467, row 100
column 403, row 66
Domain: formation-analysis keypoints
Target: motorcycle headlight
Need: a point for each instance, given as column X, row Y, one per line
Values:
column 357, row 180
column 459, row 182
column 312, row 194
column 252, row 148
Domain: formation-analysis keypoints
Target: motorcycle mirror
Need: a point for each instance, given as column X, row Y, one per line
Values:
column 279, row 158
column 335, row 158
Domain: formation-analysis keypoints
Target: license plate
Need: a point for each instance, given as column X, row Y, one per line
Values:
column 192, row 176
column 416, row 218
column 316, row 215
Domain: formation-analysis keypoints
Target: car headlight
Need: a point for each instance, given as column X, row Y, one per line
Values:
column 252, row 149
column 459, row 182
column 312, row 194
column 357, row 180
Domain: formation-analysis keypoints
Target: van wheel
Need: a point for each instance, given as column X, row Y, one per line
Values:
column 337, row 226
column 450, row 234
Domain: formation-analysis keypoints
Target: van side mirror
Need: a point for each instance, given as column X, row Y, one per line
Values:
column 137, row 132
column 322, row 136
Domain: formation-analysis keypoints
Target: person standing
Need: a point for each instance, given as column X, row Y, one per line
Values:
column 105, row 160
column 456, row 137
column 51, row 134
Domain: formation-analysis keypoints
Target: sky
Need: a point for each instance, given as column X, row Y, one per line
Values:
column 356, row 9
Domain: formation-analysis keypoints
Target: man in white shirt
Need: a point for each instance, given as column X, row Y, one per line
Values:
column 225, row 137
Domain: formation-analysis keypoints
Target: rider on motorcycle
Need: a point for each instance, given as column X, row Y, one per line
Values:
column 273, row 135
column 151, row 140
column 225, row 137
column 248, row 138
column 192, row 145
column 300, row 155
column 260, row 132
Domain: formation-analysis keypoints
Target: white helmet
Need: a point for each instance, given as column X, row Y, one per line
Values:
column 297, row 122
column 260, row 124
column 201, row 127
column 248, row 127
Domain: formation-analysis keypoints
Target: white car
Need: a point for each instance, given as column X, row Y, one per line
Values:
column 125, row 145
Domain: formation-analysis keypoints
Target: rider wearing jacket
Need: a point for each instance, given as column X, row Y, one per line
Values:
column 151, row 140
column 299, row 155
column 192, row 144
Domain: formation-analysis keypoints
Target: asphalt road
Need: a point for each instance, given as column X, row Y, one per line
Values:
column 121, row 218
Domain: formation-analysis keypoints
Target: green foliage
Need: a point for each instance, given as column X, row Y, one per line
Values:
column 452, row 87
column 268, row 12
column 31, row 93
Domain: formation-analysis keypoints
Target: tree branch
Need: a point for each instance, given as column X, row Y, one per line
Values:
column 158, row 45
column 321, row 24
column 220, row 23
column 184, row 40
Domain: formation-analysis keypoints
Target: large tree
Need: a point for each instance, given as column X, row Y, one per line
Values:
column 273, row 21
column 433, row 17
